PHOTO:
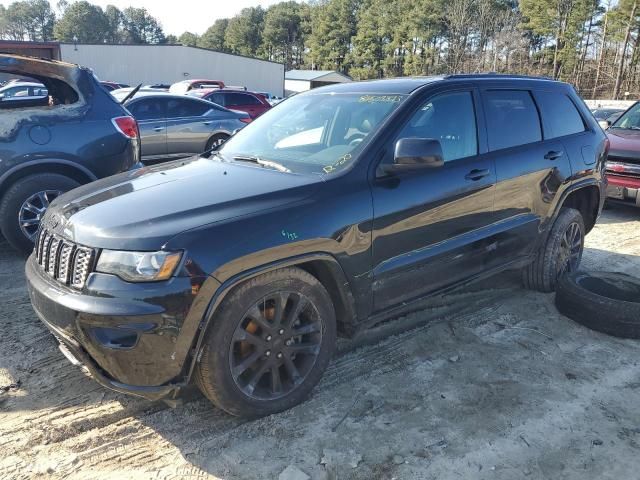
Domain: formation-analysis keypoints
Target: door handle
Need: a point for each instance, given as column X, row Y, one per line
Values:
column 207, row 123
column 476, row 174
column 553, row 155
column 158, row 129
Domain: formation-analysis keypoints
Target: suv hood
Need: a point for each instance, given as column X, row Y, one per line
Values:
column 143, row 209
column 625, row 144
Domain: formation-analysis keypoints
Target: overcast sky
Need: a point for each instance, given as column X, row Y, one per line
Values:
column 179, row 16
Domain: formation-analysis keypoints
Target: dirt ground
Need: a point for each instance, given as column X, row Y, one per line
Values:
column 488, row 383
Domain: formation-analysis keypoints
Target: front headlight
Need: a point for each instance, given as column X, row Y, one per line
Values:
column 139, row 266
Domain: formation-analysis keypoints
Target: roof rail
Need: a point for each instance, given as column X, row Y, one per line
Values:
column 496, row 75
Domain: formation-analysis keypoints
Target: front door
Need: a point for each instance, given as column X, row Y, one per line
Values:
column 431, row 226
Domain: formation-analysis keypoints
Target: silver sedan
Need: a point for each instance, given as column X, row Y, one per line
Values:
column 176, row 126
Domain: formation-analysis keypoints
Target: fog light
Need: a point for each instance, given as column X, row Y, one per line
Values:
column 115, row 337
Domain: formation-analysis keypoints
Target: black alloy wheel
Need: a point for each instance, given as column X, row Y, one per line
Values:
column 275, row 345
column 268, row 343
column 570, row 251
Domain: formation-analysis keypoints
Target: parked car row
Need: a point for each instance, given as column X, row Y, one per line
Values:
column 177, row 126
column 193, row 116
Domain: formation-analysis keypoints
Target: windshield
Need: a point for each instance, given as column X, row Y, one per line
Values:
column 630, row 120
column 312, row 133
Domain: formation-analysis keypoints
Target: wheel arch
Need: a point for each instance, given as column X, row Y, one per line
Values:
column 586, row 198
column 63, row 167
column 323, row 266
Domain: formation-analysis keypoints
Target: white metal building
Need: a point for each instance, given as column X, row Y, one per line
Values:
column 302, row 80
column 148, row 64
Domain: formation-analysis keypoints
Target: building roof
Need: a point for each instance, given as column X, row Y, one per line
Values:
column 317, row 75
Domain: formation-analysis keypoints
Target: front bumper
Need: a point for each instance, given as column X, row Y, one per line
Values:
column 151, row 358
column 623, row 189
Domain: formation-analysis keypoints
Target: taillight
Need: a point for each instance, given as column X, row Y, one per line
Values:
column 126, row 126
column 246, row 119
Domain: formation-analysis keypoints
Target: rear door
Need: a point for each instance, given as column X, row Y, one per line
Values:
column 150, row 113
column 188, row 126
column 531, row 167
column 562, row 121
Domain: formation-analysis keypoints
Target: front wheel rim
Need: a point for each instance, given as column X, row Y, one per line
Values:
column 32, row 210
column 570, row 249
column 275, row 346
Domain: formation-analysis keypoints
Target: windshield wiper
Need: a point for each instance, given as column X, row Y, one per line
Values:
column 262, row 163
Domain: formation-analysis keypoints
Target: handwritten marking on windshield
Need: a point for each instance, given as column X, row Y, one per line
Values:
column 341, row 161
column 380, row 99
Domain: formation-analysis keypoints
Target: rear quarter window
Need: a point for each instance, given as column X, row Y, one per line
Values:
column 561, row 117
column 512, row 118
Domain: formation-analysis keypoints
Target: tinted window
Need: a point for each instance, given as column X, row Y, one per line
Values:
column 217, row 98
column 449, row 118
column 512, row 118
column 185, row 107
column 630, row 119
column 240, row 99
column 146, row 109
column 560, row 114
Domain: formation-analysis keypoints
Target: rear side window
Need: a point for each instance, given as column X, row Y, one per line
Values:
column 512, row 118
column 241, row 99
column 185, row 107
column 560, row 114
column 146, row 109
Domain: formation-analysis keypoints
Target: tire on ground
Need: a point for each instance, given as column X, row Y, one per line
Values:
column 603, row 301
column 542, row 273
column 15, row 196
column 213, row 371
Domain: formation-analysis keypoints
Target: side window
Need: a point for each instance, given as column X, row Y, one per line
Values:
column 147, row 109
column 217, row 98
column 185, row 107
column 560, row 114
column 449, row 118
column 512, row 118
column 235, row 99
column 17, row 92
column 249, row 99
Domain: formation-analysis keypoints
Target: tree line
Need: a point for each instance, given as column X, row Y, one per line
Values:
column 594, row 44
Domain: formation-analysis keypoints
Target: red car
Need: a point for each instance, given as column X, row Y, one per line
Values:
column 623, row 163
column 250, row 102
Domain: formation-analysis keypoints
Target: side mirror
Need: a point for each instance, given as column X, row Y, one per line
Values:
column 415, row 154
column 604, row 124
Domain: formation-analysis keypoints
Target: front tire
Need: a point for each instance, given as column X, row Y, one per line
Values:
column 561, row 253
column 268, row 345
column 215, row 142
column 24, row 204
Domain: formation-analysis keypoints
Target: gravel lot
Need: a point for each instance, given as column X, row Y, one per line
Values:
column 488, row 383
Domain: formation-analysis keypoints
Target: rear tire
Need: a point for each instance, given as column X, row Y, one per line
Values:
column 25, row 202
column 255, row 361
column 557, row 257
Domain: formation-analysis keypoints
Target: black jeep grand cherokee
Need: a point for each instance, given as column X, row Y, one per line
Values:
column 337, row 209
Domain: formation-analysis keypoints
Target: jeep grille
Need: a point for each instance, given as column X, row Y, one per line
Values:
column 63, row 260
